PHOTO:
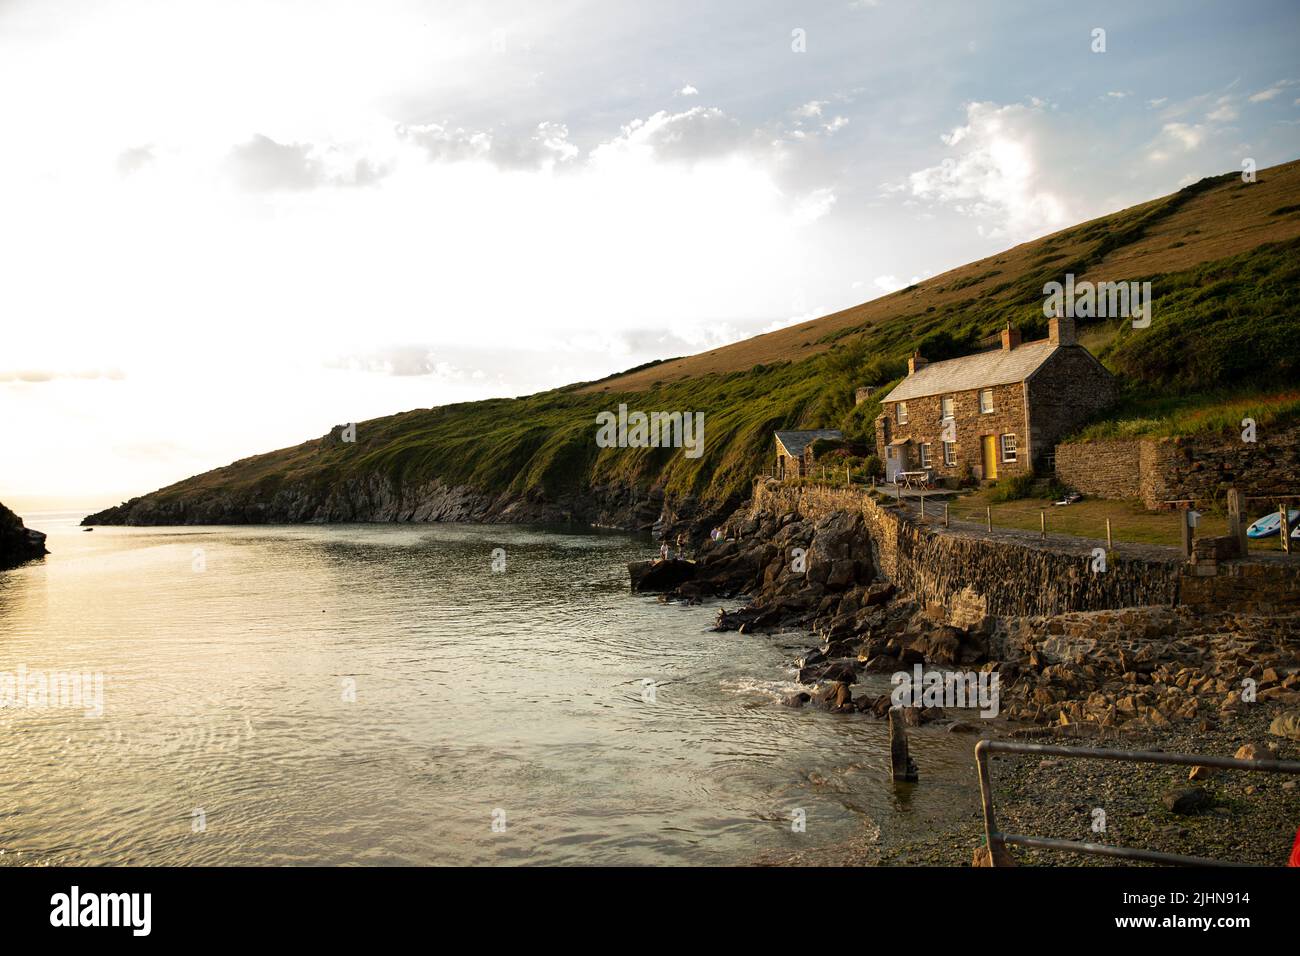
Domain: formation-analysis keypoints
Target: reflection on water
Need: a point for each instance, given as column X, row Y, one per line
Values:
column 376, row 694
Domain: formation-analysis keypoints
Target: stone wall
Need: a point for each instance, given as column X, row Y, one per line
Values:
column 972, row 574
column 1255, row 587
column 968, row 573
column 1101, row 469
column 1201, row 469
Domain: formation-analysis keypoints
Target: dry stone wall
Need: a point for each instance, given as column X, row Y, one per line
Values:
column 1199, row 469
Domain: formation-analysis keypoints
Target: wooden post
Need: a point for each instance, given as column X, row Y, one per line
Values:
column 1042, row 524
column 923, row 504
column 1186, row 516
column 988, row 517
column 1237, row 527
column 902, row 767
column 1285, row 529
column 945, row 515
column 1110, row 545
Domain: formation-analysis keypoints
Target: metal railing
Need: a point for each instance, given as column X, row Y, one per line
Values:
column 997, row 840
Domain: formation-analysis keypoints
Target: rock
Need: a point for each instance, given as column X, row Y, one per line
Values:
column 796, row 700
column 660, row 575
column 1200, row 773
column 1000, row 857
column 18, row 543
column 1186, row 801
column 1286, row 725
column 961, row 727
column 1251, row 751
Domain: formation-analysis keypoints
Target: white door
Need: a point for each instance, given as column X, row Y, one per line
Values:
column 892, row 466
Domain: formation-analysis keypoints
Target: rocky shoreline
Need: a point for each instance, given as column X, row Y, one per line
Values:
column 18, row 543
column 1169, row 677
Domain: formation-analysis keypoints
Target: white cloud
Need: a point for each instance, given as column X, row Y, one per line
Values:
column 1265, row 95
column 811, row 110
column 687, row 90
column 888, row 284
column 808, row 209
column 996, row 175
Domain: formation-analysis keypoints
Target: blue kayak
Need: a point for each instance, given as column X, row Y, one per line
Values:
column 1268, row 525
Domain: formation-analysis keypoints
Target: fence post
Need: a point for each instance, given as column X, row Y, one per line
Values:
column 1237, row 527
column 1110, row 546
column 988, row 517
column 945, row 515
column 1285, row 529
column 1042, row 524
column 922, row 503
column 1186, row 515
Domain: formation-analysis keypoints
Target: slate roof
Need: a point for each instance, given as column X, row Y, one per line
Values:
column 796, row 441
column 982, row 370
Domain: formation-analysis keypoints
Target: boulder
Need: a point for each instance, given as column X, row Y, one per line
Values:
column 1186, row 801
column 1286, row 725
column 659, row 575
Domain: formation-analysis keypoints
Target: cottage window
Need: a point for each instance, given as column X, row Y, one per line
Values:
column 902, row 413
column 1008, row 447
column 946, row 406
column 925, row 454
column 986, row 401
column 950, row 453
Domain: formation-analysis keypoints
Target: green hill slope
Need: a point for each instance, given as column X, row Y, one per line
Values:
column 1223, row 258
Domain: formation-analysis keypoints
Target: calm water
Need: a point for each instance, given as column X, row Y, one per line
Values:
column 475, row 692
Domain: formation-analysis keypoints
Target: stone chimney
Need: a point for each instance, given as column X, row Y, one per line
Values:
column 1060, row 330
column 1010, row 338
column 916, row 363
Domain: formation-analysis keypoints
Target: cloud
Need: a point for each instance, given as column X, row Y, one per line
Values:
column 133, row 160
column 887, row 284
column 1224, row 111
column 996, row 175
column 697, row 133
column 1158, row 102
column 1185, row 136
column 263, row 165
column 1265, row 95
column 687, row 90
column 811, row 109
column 40, row 376
column 444, row 144
column 808, row 209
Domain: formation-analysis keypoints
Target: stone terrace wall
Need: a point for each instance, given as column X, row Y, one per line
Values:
column 1101, row 469
column 969, row 572
column 1176, row 469
column 1271, row 587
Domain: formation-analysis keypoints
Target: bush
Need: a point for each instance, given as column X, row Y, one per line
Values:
column 1014, row 488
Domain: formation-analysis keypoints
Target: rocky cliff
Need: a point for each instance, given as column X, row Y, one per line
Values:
column 374, row 498
column 18, row 543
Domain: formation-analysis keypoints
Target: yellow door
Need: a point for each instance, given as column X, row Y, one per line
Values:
column 989, row 444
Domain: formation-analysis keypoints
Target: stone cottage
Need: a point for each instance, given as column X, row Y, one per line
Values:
column 994, row 414
column 794, row 450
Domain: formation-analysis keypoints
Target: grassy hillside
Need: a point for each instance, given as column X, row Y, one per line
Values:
column 1223, row 258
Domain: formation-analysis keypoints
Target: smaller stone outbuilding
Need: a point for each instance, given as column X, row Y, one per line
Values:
column 794, row 450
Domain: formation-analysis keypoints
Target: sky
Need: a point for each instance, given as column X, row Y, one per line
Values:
column 226, row 227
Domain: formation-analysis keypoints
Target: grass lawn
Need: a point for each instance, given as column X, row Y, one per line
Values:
column 1130, row 521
